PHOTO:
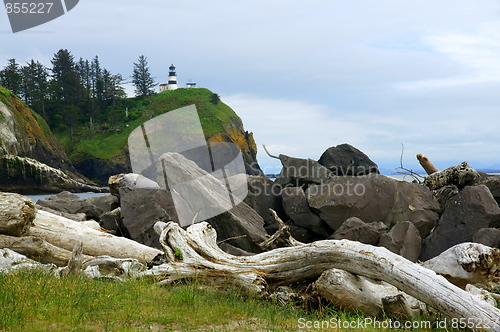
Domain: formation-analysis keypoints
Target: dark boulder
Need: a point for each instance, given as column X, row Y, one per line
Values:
column 106, row 203
column 263, row 195
column 469, row 211
column 232, row 250
column 355, row 229
column 403, row 239
column 130, row 180
column 344, row 159
column 488, row 236
column 113, row 222
column 296, row 207
column 70, row 203
column 302, row 234
column 493, row 184
column 445, row 194
column 297, row 172
column 141, row 208
column 242, row 225
column 374, row 198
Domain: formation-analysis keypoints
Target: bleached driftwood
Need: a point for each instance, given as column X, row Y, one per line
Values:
column 372, row 297
column 426, row 164
column 65, row 233
column 281, row 238
column 11, row 261
column 113, row 268
column 75, row 263
column 16, row 213
column 482, row 294
column 193, row 253
column 36, row 248
column 459, row 175
column 468, row 263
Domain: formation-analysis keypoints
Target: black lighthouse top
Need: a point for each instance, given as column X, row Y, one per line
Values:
column 171, row 70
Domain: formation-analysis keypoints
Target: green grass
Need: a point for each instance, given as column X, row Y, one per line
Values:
column 42, row 123
column 36, row 301
column 109, row 144
column 5, row 95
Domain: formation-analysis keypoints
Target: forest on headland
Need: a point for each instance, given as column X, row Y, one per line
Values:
column 72, row 93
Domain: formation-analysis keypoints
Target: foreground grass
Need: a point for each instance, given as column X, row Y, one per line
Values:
column 35, row 301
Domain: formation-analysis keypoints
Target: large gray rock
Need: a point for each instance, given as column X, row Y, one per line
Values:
column 492, row 182
column 106, row 203
column 70, row 203
column 129, row 180
column 374, row 198
column 200, row 196
column 445, row 194
column 403, row 239
column 355, row 229
column 263, row 195
column 113, row 222
column 241, row 224
column 141, row 208
column 298, row 172
column 469, row 211
column 344, row 159
column 16, row 214
column 296, row 207
column 488, row 236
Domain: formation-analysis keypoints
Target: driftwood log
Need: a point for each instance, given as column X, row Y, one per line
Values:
column 468, row 263
column 66, row 233
column 426, row 164
column 193, row 253
column 459, row 175
column 36, row 247
column 372, row 297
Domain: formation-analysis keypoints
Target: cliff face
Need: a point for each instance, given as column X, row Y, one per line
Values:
column 25, row 134
column 31, row 158
column 235, row 133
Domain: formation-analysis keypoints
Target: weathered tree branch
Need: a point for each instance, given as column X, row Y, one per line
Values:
column 201, row 259
column 426, row 164
column 459, row 175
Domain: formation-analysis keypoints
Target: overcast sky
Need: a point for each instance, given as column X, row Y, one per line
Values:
column 307, row 75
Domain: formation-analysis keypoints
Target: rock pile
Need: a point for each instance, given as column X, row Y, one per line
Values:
column 340, row 196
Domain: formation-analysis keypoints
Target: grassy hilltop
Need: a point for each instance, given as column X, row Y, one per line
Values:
column 100, row 150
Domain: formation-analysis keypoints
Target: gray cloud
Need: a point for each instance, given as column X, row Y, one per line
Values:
column 306, row 76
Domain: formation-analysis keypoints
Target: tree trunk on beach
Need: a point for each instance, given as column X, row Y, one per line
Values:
column 193, row 253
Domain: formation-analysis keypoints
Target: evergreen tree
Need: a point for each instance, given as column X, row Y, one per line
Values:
column 10, row 77
column 66, row 89
column 35, row 85
column 97, row 79
column 83, row 69
column 142, row 79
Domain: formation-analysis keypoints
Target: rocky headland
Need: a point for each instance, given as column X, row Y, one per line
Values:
column 31, row 158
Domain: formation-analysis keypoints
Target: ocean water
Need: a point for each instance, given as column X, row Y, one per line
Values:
column 35, row 198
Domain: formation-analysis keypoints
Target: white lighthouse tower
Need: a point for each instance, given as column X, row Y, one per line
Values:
column 172, row 78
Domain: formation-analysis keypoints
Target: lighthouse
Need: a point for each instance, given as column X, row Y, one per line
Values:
column 172, row 78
